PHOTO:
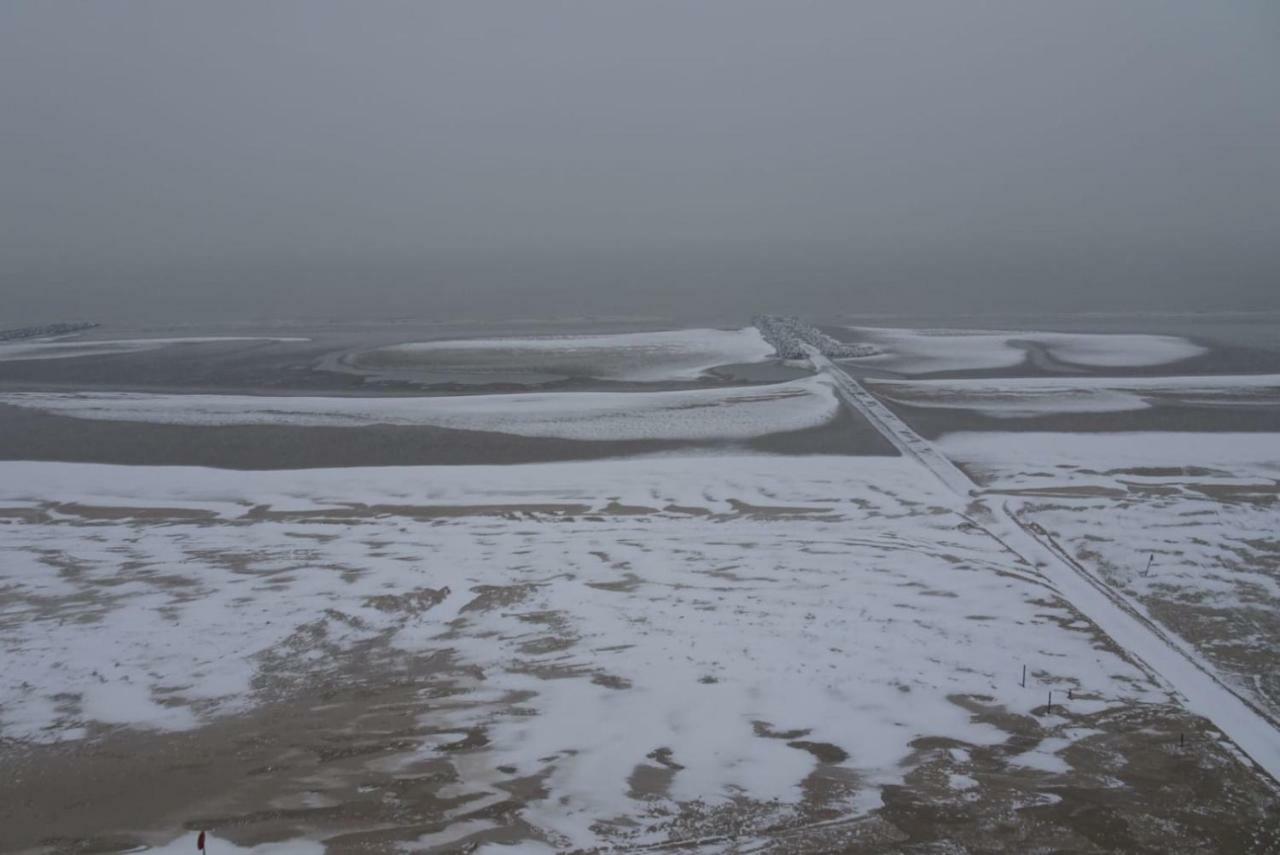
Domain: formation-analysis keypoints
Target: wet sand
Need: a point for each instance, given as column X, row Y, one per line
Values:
column 32, row 435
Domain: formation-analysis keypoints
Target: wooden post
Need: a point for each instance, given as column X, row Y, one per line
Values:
column 1049, row 708
column 1024, row 676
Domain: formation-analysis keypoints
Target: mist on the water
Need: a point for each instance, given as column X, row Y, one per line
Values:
column 234, row 161
column 721, row 283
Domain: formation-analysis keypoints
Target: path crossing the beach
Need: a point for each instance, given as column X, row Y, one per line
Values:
column 1168, row 658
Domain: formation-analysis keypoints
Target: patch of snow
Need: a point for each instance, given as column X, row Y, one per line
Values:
column 853, row 608
column 1044, row 756
column 1182, row 523
column 1171, row 658
column 524, row 847
column 637, row 357
column 1032, row 396
column 454, row 833
column 106, row 347
column 186, row 844
column 922, row 351
column 720, row 413
column 1100, row 451
column 1109, row 350
column 122, row 701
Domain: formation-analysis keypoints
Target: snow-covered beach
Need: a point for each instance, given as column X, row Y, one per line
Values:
column 711, row 642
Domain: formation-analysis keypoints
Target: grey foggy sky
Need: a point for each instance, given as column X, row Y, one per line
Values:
column 163, row 150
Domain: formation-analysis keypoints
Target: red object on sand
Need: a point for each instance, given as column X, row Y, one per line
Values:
column 200, row 842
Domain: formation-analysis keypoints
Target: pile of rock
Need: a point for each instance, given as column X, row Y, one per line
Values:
column 788, row 333
column 44, row 331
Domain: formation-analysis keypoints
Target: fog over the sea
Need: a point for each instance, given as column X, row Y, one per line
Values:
column 182, row 160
